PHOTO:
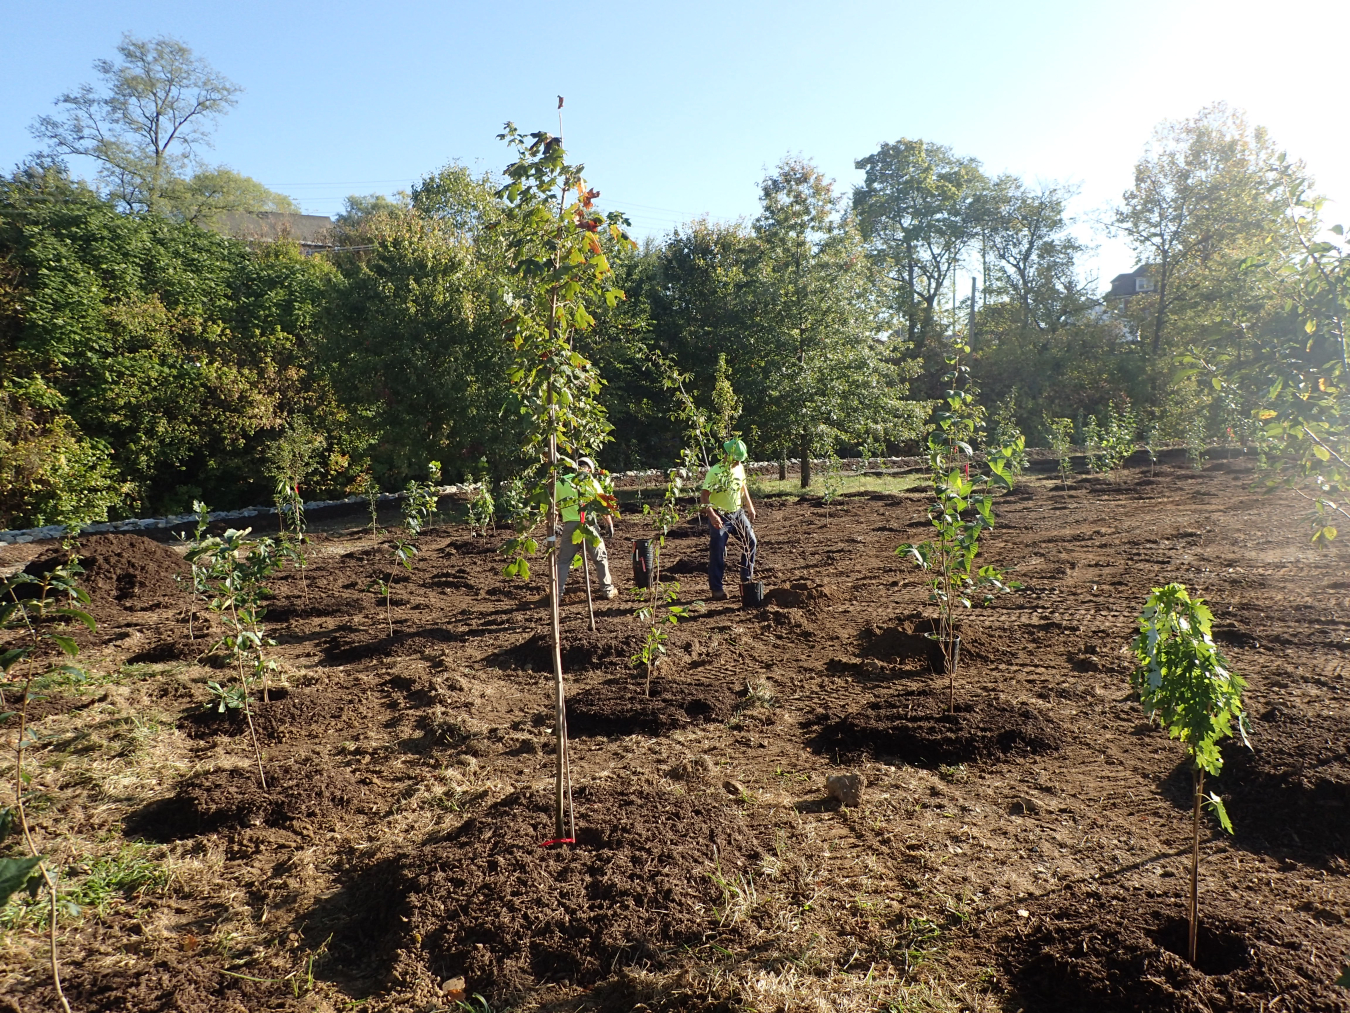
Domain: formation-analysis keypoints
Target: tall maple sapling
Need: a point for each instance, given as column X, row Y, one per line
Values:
column 555, row 242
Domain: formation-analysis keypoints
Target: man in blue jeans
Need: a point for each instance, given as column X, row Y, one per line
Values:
column 730, row 510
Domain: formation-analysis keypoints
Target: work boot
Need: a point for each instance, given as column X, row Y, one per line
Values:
column 719, row 596
column 611, row 594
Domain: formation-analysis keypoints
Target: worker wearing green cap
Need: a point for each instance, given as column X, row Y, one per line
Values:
column 730, row 510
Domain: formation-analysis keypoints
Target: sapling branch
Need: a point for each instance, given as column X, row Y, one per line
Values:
column 56, row 594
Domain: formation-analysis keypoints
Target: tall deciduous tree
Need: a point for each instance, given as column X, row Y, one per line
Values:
column 144, row 127
column 1026, row 236
column 920, row 207
column 831, row 374
column 556, row 255
column 1203, row 200
column 412, row 337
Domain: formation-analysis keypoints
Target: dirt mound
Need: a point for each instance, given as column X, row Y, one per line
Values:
column 913, row 726
column 287, row 712
column 582, row 651
column 622, row 707
column 1119, row 953
column 490, row 904
column 298, row 793
column 907, row 643
column 172, row 983
column 1291, row 790
column 124, row 568
column 801, row 594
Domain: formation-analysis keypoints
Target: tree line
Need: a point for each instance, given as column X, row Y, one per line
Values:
column 148, row 360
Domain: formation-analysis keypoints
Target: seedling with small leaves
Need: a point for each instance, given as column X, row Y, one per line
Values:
column 237, row 588
column 1184, row 682
column 1061, row 444
column 54, row 596
column 482, row 510
column 1109, row 445
column 199, row 569
column 404, row 551
column 961, row 513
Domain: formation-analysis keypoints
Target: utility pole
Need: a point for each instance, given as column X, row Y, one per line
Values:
column 970, row 330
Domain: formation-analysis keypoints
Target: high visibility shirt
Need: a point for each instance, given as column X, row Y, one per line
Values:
column 569, row 504
column 725, row 487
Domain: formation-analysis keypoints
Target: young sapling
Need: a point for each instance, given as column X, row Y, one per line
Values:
column 961, row 513
column 1061, row 444
column 54, row 595
column 658, row 604
column 237, row 589
column 1184, row 682
column 419, row 506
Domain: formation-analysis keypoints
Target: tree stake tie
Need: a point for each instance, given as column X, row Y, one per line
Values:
column 558, row 840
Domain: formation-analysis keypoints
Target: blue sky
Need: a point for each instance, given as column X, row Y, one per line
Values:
column 679, row 109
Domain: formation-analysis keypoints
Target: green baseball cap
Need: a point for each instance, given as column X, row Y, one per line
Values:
column 735, row 449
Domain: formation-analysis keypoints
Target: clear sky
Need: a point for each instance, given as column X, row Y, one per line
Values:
column 678, row 109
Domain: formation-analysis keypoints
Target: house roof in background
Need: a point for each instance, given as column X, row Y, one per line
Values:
column 269, row 226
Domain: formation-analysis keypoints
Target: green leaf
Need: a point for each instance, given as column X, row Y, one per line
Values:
column 9, row 658
column 1216, row 803
column 15, row 874
column 66, row 644
column 1344, row 979
column 82, row 616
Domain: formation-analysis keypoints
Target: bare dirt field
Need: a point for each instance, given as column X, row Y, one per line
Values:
column 1029, row 852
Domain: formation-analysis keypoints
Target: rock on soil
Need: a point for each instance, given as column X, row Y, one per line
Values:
column 846, row 788
column 622, row 707
column 1119, row 952
column 489, row 904
column 913, row 726
column 124, row 568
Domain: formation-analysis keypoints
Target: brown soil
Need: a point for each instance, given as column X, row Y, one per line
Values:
column 637, row 885
column 298, row 794
column 622, row 706
column 130, row 569
column 913, row 726
column 397, row 846
column 1067, row 957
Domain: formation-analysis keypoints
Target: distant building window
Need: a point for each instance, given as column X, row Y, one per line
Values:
column 1143, row 284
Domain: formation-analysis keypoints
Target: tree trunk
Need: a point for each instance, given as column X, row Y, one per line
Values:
column 913, row 324
column 1162, row 306
column 806, row 460
column 782, row 466
column 1198, row 778
column 564, row 821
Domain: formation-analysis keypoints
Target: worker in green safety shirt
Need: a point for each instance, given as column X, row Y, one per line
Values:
column 730, row 510
column 573, row 518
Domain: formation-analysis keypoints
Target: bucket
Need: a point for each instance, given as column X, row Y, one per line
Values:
column 644, row 563
column 752, row 594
